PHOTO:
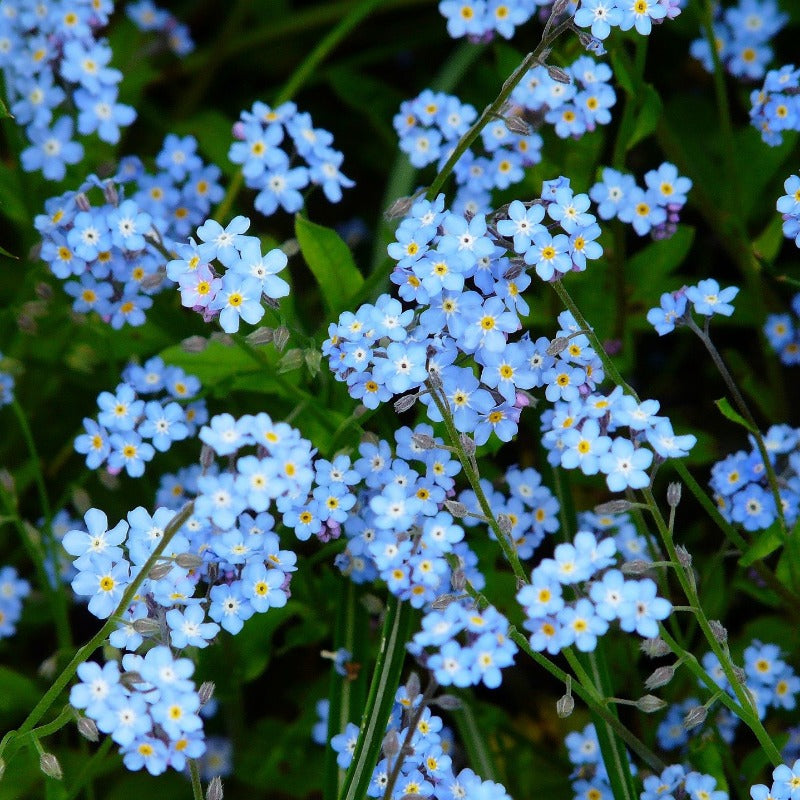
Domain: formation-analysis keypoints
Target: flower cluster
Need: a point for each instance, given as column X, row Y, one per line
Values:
column 590, row 778
column 480, row 20
column 771, row 682
column 270, row 165
column 740, row 485
column 13, row 590
column 654, row 209
column 789, row 207
column 556, row 623
column 470, row 646
column 52, row 57
column 147, row 16
column 526, row 233
column 142, row 415
column 116, row 246
column 149, row 707
column 603, row 15
column 427, row 768
column 742, row 36
column 783, row 333
column 776, row 107
column 576, row 431
column 226, row 275
column 574, row 101
column 706, row 299
column 430, row 125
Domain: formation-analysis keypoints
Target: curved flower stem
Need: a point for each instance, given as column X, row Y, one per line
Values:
column 614, row 374
column 493, row 109
column 747, row 710
column 60, row 683
column 406, row 747
column 744, row 410
column 474, row 478
column 581, row 686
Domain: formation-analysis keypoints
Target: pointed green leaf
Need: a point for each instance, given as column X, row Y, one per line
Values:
column 727, row 411
column 767, row 542
column 331, row 262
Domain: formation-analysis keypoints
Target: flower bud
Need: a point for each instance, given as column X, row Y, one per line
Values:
column 48, row 764
column 504, row 523
column 448, row 702
column 660, row 677
column 81, row 500
column 557, row 345
column 214, row 791
column 684, row 556
column 654, row 648
column 399, row 208
column 457, row 509
column 443, row 601
column 7, row 481
column 260, row 336
column 673, row 495
column 280, row 337
column 423, row 441
column 206, row 692
column 44, row 290
column 515, row 270
column 613, row 507
column 158, row 572
column 517, row 125
column 565, row 705
column 694, row 717
column 130, row 679
column 47, row 669
column 650, row 703
column 146, row 626
column 188, row 561
column 390, row 744
column 556, row 73
column 313, row 359
column 636, row 567
column 223, row 338
column 88, row 729
column 291, row 247
column 412, row 687
column 718, row 630
column 292, row 359
column 458, row 579
column 468, row 443
column 404, row 403
column 206, row 456
column 372, row 604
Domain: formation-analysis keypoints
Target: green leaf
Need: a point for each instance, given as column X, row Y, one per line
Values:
column 767, row 542
column 331, row 262
column 769, row 241
column 647, row 119
column 648, row 269
column 727, row 411
column 4, row 252
column 17, row 692
column 4, row 112
column 620, row 64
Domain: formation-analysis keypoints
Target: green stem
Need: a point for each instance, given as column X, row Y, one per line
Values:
column 474, row 478
column 194, row 774
column 385, row 680
column 474, row 741
column 494, row 108
column 83, row 653
column 581, row 686
column 747, row 710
